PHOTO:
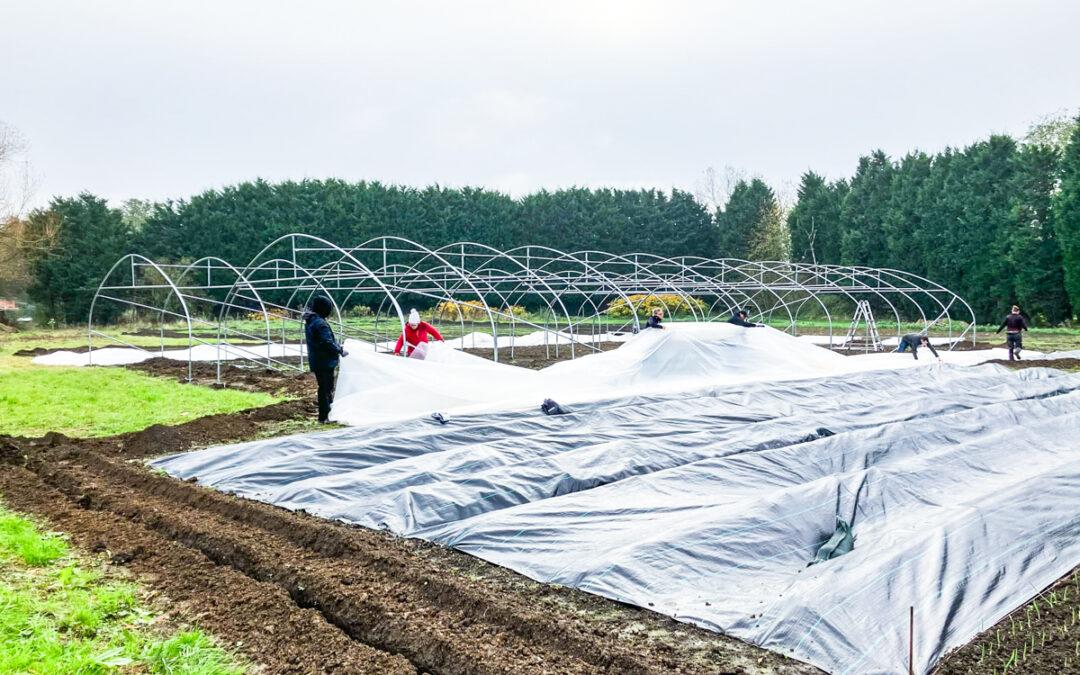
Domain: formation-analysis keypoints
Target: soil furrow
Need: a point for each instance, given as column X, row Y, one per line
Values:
column 257, row 618
column 384, row 561
column 390, row 614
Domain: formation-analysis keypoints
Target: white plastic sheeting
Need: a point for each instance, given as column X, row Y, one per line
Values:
column 960, row 484
column 374, row 387
column 122, row 356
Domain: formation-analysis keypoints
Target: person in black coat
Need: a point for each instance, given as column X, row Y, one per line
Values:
column 914, row 341
column 1014, row 325
column 739, row 319
column 656, row 318
column 323, row 351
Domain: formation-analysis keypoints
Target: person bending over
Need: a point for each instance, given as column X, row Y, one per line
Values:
column 656, row 319
column 323, row 352
column 914, row 341
column 415, row 333
column 739, row 319
column 1014, row 324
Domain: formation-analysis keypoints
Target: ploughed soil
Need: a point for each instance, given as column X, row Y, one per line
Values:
column 1040, row 637
column 243, row 375
column 537, row 357
column 252, row 377
column 298, row 594
column 303, row 595
column 1061, row 364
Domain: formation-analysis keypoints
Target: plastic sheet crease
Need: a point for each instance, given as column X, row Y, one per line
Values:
column 960, row 485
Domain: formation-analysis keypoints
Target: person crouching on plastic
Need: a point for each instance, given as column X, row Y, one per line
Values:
column 914, row 341
column 416, row 335
column 739, row 319
column 656, row 319
column 323, row 352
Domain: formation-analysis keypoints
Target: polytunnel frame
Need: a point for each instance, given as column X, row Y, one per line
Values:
column 131, row 258
column 513, row 275
column 429, row 253
column 490, row 254
column 345, row 255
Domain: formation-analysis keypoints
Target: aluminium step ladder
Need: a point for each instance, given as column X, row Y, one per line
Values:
column 870, row 339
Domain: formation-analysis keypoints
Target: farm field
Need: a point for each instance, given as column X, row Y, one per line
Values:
column 362, row 600
column 556, row 338
column 350, row 600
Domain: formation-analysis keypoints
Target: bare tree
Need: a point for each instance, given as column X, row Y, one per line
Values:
column 1054, row 129
column 17, row 181
column 714, row 187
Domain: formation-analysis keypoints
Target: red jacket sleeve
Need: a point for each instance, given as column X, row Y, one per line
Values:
column 400, row 340
column 431, row 329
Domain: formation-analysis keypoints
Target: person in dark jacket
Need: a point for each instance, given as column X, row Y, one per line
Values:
column 323, row 351
column 739, row 319
column 914, row 341
column 656, row 319
column 1014, row 325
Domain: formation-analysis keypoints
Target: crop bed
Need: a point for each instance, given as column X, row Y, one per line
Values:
column 299, row 594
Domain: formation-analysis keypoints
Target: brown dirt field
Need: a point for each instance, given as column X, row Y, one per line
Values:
column 1061, row 364
column 246, row 376
column 538, row 357
column 300, row 594
column 252, row 377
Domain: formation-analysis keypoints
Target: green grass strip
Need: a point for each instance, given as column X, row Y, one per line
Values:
column 60, row 615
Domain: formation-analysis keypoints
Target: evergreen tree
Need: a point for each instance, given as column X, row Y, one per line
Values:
column 980, row 232
column 87, row 238
column 864, row 212
column 1034, row 251
column 1067, row 216
column 814, row 222
column 903, row 216
column 751, row 224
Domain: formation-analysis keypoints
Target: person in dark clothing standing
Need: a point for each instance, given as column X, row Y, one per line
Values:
column 739, row 319
column 656, row 318
column 914, row 341
column 323, row 351
column 1014, row 324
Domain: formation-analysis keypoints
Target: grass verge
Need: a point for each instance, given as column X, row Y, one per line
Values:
column 106, row 401
column 58, row 614
column 86, row 402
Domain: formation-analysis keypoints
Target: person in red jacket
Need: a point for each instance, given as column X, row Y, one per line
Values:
column 416, row 332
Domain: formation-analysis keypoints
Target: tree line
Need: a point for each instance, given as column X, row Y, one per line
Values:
column 998, row 222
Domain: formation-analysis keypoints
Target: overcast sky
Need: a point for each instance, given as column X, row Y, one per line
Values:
column 166, row 99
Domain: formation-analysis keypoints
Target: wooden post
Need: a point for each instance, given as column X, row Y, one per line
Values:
column 911, row 641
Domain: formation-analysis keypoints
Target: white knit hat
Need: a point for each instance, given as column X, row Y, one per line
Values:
column 414, row 318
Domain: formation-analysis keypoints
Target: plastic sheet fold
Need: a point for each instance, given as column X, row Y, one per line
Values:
column 960, row 486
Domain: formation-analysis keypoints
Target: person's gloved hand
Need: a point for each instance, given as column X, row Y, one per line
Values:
column 344, row 353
